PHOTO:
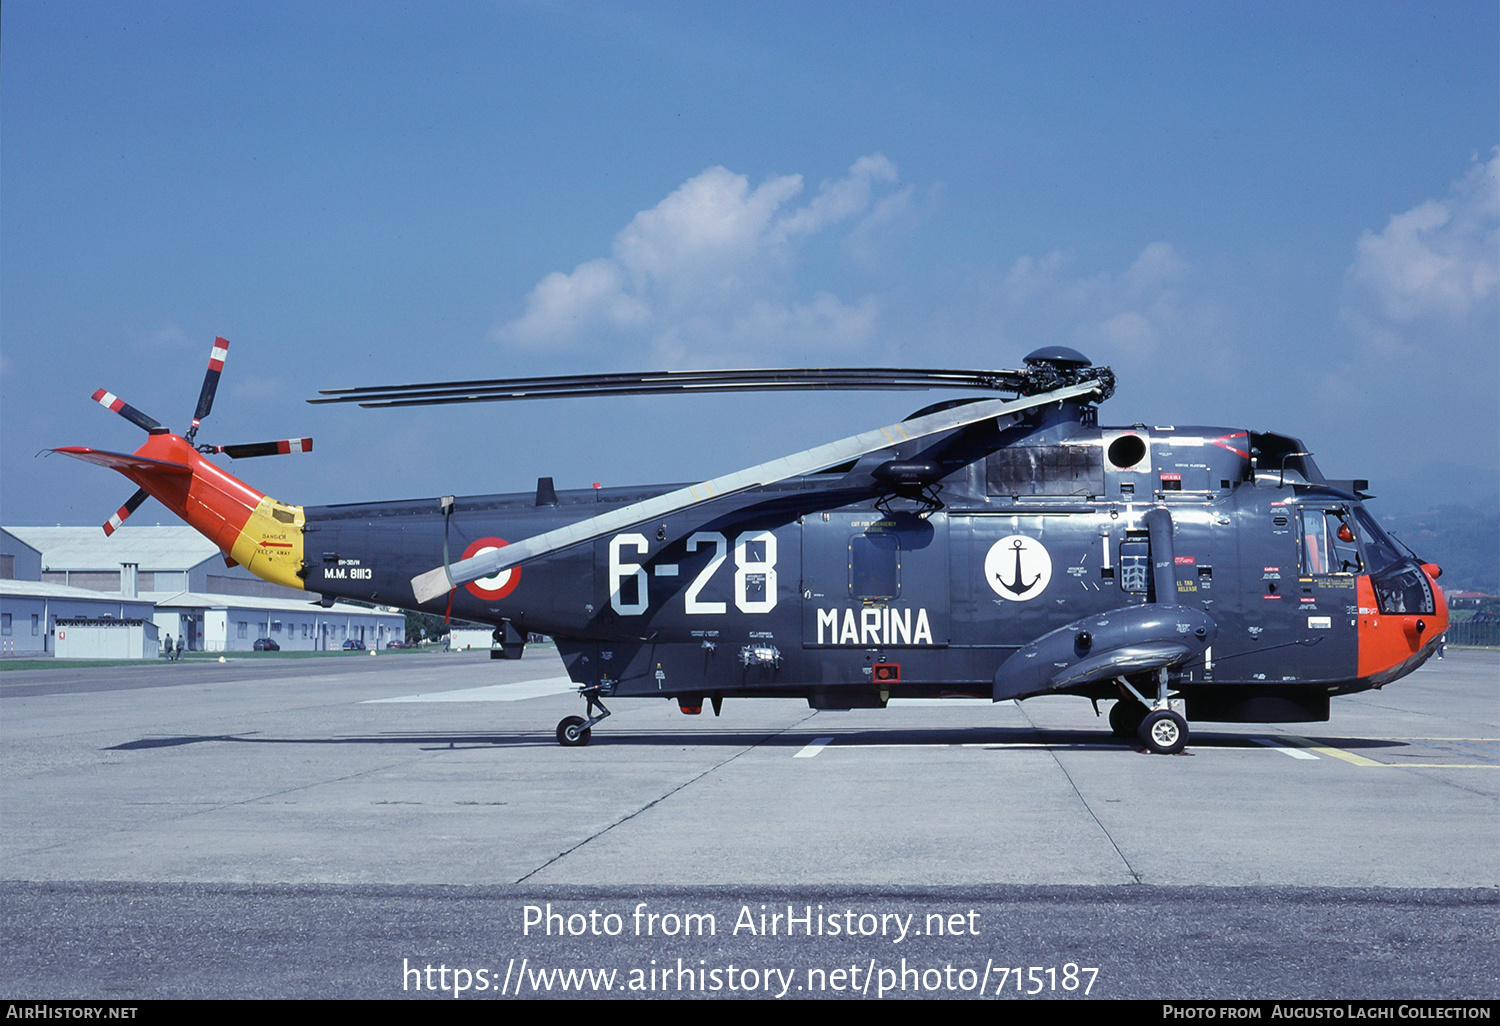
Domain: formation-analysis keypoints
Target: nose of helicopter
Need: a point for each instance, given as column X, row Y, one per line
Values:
column 1392, row 641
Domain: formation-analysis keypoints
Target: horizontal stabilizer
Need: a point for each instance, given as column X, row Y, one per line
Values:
column 123, row 461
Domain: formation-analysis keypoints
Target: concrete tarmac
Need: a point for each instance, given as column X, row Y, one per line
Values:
column 369, row 812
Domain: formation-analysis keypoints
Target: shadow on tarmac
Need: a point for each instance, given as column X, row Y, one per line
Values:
column 994, row 738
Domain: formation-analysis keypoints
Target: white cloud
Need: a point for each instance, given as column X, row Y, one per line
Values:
column 709, row 272
column 1431, row 278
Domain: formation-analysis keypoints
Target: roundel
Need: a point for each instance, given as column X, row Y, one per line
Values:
column 1018, row 568
column 495, row 586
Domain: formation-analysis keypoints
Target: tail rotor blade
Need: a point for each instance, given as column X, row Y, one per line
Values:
column 216, row 357
column 281, row 448
column 123, row 513
column 110, row 401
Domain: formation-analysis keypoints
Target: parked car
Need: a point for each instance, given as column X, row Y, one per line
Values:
column 353, row 644
column 266, row 645
column 398, row 643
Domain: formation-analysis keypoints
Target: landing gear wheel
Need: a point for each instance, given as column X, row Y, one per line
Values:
column 1163, row 732
column 573, row 732
column 1125, row 717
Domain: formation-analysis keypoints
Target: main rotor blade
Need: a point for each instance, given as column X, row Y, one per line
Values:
column 216, row 357
column 242, row 452
column 569, row 386
column 123, row 513
column 110, row 401
column 437, row 582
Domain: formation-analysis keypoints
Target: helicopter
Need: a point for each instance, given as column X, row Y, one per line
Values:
column 1002, row 547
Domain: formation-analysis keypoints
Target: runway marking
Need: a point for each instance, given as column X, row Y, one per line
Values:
column 517, row 692
column 1332, row 753
column 1276, row 745
column 812, row 748
column 1360, row 760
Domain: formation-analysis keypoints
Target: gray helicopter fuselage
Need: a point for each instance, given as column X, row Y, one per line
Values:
column 990, row 562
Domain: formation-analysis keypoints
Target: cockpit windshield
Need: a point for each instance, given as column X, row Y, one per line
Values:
column 1380, row 551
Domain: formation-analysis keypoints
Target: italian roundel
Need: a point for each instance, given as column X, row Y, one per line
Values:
column 495, row 586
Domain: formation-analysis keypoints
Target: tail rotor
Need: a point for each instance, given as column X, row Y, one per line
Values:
column 216, row 357
column 123, row 513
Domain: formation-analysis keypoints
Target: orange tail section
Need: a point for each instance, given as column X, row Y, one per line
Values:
column 248, row 526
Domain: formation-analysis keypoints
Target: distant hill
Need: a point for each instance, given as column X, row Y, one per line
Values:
column 1462, row 539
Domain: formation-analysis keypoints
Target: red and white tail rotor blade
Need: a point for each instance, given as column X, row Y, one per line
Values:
column 110, row 401
column 281, row 448
column 216, row 357
column 123, row 513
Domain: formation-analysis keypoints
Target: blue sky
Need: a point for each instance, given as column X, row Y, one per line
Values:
column 1263, row 215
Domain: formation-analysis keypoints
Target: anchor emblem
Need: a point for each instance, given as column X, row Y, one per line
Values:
column 1018, row 568
column 1015, row 584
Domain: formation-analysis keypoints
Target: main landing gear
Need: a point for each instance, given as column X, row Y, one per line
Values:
column 1154, row 724
column 575, row 731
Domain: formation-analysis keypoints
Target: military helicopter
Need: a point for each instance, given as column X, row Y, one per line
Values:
column 1001, row 547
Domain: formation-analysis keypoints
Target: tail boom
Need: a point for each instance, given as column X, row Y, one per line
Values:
column 251, row 528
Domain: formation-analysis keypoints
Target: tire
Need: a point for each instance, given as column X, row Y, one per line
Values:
column 1164, row 733
column 1125, row 717
column 571, row 732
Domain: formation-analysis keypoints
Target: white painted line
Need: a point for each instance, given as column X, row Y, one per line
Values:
column 493, row 693
column 1295, row 753
column 812, row 748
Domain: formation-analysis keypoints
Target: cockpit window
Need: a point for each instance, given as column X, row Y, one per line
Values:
column 1380, row 552
column 1403, row 590
column 1328, row 540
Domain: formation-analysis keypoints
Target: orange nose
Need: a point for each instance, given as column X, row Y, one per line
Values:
column 1389, row 640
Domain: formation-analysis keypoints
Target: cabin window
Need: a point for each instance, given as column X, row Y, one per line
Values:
column 1135, row 567
column 874, row 566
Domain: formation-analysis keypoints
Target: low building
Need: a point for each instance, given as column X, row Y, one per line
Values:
column 172, row 577
column 30, row 610
column 106, row 638
column 233, row 623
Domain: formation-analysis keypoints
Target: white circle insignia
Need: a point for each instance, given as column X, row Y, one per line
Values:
column 1018, row 568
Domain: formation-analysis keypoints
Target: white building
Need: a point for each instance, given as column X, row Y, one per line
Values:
column 29, row 611
column 172, row 576
column 233, row 623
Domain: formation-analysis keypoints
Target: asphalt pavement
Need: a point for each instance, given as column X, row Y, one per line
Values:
column 328, row 827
